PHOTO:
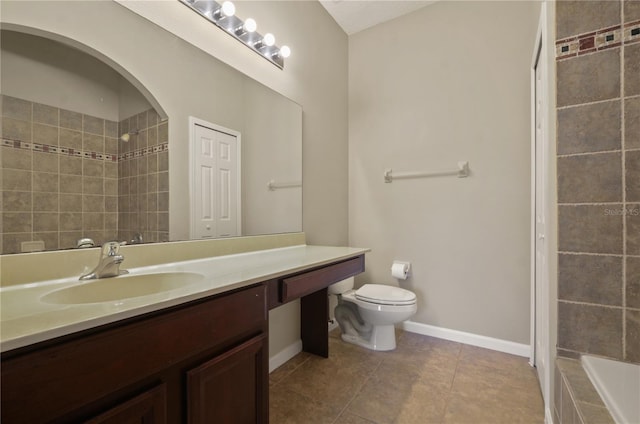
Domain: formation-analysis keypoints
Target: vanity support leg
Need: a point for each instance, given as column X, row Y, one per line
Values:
column 314, row 327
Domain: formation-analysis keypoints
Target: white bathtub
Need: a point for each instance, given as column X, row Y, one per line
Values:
column 618, row 384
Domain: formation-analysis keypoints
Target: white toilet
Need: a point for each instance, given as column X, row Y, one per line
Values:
column 367, row 316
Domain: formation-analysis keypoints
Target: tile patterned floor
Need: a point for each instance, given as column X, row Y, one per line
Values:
column 425, row 380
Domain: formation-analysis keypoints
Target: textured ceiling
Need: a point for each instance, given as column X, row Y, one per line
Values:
column 356, row 15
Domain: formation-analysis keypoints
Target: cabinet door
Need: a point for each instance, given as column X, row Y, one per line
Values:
column 146, row 408
column 232, row 387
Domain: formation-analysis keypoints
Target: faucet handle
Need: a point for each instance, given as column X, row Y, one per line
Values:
column 110, row 248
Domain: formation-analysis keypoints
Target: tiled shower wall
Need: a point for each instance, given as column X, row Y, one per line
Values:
column 60, row 177
column 143, row 178
column 598, row 124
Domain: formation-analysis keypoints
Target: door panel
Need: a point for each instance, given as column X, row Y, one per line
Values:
column 216, row 184
column 227, row 189
column 228, row 388
column 540, row 302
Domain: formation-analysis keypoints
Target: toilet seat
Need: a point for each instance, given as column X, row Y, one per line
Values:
column 385, row 295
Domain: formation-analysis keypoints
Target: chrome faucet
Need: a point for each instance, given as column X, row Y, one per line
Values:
column 84, row 243
column 109, row 264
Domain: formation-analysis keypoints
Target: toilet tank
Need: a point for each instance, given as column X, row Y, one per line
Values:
column 341, row 286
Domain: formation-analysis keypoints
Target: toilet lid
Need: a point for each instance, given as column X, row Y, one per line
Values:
column 385, row 295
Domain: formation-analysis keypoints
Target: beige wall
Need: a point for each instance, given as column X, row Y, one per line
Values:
column 43, row 71
column 449, row 82
column 284, row 211
column 315, row 76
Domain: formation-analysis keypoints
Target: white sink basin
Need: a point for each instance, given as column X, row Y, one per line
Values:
column 121, row 287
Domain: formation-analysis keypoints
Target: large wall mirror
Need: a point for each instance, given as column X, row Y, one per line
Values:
column 98, row 134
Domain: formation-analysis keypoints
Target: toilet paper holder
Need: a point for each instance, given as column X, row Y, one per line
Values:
column 401, row 270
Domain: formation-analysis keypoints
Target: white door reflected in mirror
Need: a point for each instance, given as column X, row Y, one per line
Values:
column 215, row 181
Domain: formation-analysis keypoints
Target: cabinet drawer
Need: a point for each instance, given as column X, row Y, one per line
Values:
column 299, row 285
column 52, row 382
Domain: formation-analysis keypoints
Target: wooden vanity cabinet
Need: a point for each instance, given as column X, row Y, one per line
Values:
column 203, row 362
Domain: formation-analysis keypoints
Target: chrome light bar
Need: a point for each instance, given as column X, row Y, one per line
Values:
column 223, row 16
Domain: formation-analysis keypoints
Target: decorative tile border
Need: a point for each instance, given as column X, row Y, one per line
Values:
column 631, row 32
column 602, row 39
column 164, row 147
column 66, row 151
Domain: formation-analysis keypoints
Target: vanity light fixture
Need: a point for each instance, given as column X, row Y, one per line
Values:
column 285, row 51
column 250, row 25
column 223, row 16
column 269, row 39
column 228, row 8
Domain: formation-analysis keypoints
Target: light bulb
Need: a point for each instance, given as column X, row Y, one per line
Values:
column 285, row 51
column 250, row 25
column 269, row 39
column 228, row 8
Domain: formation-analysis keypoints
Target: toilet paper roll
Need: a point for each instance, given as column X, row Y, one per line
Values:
column 400, row 270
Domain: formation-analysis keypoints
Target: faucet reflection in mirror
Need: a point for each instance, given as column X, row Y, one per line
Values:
column 223, row 16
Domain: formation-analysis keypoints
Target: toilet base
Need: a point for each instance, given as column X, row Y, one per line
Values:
column 383, row 337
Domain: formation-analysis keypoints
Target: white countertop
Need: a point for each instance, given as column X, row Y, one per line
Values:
column 26, row 319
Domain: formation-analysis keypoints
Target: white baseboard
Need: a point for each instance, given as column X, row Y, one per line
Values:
column 506, row 346
column 428, row 330
column 284, row 355
column 292, row 350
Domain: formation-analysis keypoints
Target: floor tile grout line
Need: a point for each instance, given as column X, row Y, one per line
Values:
column 357, row 392
column 453, row 379
column 284, row 377
column 290, row 372
column 304, row 395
